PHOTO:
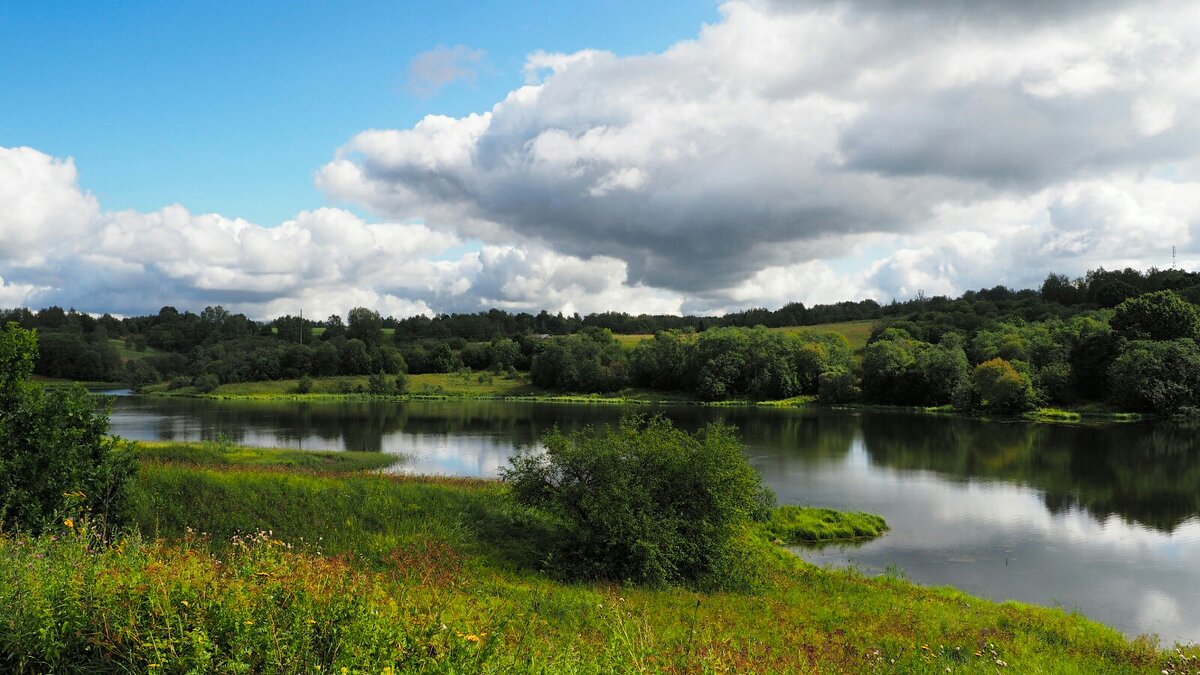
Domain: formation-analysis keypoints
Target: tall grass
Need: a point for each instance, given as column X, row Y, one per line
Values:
column 300, row 570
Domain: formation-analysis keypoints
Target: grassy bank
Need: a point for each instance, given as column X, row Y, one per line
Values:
column 269, row 569
column 219, row 454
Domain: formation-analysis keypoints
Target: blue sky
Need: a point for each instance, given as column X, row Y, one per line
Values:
column 673, row 157
column 230, row 107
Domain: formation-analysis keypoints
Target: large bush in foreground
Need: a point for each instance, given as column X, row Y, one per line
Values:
column 644, row 502
column 56, row 459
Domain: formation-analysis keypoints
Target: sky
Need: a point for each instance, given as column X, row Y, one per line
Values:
column 685, row 156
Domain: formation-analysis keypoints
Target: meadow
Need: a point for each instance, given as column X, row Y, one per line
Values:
column 251, row 560
column 856, row 332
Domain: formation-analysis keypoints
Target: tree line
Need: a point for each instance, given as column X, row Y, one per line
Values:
column 1123, row 337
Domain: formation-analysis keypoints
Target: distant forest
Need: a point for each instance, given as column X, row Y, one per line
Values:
column 1126, row 338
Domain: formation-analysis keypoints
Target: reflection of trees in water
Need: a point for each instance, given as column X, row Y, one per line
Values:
column 1148, row 474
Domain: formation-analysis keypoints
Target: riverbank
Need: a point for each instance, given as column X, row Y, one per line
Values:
column 256, row 562
column 435, row 387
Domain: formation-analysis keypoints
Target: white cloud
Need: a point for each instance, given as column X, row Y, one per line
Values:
column 812, row 151
column 41, row 207
column 712, row 166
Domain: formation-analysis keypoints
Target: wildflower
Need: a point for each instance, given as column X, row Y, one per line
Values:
column 472, row 638
column 69, row 522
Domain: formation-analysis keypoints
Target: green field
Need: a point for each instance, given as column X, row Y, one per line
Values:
column 857, row 332
column 255, row 565
column 127, row 354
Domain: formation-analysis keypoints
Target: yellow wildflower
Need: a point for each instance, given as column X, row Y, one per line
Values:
column 69, row 522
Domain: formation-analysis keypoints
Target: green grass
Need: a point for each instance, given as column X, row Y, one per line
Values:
column 52, row 382
column 631, row 340
column 274, row 570
column 217, row 454
column 128, row 354
column 857, row 332
column 1094, row 412
column 800, row 524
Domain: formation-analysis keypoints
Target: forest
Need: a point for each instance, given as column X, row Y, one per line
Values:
column 1126, row 339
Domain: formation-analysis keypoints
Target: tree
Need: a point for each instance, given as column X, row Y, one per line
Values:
column 884, row 371
column 646, row 502
column 1157, row 376
column 1058, row 288
column 56, row 458
column 365, row 325
column 838, row 386
column 1162, row 315
column 999, row 387
column 353, row 358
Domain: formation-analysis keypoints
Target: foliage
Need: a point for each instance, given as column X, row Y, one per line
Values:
column 898, row 369
column 999, row 387
column 590, row 361
column 56, row 458
column 838, row 386
column 1156, row 316
column 1161, row 377
column 206, row 383
column 646, row 502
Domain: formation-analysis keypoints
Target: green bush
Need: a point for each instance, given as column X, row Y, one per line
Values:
column 1161, row 377
column 57, row 461
column 999, row 387
column 838, row 386
column 305, row 385
column 1156, row 316
column 207, row 383
column 645, row 502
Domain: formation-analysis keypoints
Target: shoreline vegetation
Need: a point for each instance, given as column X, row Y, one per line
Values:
column 248, row 559
column 1099, row 347
column 455, row 387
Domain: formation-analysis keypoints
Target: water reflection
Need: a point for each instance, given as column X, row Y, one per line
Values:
column 1103, row 519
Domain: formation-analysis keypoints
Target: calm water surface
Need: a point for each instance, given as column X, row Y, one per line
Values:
column 1103, row 520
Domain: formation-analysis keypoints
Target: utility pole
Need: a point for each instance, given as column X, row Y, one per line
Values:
column 1172, row 257
column 301, row 326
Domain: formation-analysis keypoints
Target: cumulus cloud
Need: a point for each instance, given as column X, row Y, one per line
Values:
column 787, row 131
column 793, row 150
column 429, row 71
column 60, row 247
column 41, row 206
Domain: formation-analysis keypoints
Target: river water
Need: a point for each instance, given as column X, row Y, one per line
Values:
column 1104, row 520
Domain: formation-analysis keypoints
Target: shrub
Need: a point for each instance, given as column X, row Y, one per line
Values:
column 1000, row 387
column 179, row 382
column 646, row 502
column 207, row 383
column 56, row 458
column 305, row 385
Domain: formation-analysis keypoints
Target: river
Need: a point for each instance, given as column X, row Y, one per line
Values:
column 1104, row 520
